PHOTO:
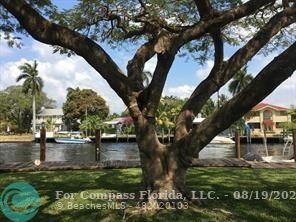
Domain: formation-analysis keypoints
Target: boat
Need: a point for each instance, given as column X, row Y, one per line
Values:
column 72, row 140
column 220, row 139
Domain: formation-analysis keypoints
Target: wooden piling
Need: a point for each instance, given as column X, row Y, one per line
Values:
column 98, row 144
column 42, row 143
column 265, row 141
column 237, row 145
column 294, row 143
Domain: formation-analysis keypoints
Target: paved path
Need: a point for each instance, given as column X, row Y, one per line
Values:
column 120, row 164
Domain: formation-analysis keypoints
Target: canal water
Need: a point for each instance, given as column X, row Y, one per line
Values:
column 23, row 152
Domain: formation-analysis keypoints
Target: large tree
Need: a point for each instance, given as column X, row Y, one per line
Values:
column 80, row 103
column 165, row 29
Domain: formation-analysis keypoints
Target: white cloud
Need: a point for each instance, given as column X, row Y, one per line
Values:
column 183, row 91
column 285, row 94
column 60, row 72
column 5, row 50
column 9, row 73
column 204, row 70
column 151, row 64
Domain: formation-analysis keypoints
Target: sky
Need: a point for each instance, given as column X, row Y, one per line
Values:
column 60, row 72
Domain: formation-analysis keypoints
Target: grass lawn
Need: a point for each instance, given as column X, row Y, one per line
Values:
column 224, row 181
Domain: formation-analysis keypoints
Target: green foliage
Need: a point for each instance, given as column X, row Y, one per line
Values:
column 16, row 108
column 80, row 103
column 50, row 125
column 208, row 108
column 224, row 181
column 109, row 20
column 292, row 112
column 92, row 123
column 288, row 126
column 168, row 111
column 128, row 129
column 240, row 81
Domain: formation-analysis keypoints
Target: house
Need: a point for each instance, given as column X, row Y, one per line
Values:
column 52, row 118
column 120, row 122
column 267, row 117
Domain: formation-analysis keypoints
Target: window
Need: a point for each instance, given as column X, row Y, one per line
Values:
column 255, row 113
column 267, row 115
column 283, row 113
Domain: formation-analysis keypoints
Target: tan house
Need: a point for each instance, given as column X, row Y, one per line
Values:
column 53, row 119
column 268, row 117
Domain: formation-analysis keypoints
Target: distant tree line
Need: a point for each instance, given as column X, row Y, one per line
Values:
column 16, row 109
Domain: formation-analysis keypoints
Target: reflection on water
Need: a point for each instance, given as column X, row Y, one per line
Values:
column 16, row 152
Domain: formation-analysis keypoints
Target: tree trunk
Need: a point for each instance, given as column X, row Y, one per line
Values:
column 34, row 116
column 162, row 170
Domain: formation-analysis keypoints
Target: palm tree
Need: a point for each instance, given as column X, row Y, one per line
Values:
column 146, row 76
column 32, row 83
column 240, row 81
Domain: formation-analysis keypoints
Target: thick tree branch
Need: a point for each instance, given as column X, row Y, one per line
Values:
column 221, row 20
column 155, row 88
column 136, row 65
column 217, row 79
column 276, row 72
column 50, row 33
column 204, row 8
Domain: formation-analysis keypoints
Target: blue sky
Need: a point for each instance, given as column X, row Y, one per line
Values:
column 60, row 72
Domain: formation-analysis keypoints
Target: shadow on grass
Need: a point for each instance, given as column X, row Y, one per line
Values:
column 224, row 181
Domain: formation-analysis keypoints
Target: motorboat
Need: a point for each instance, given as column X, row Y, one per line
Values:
column 72, row 140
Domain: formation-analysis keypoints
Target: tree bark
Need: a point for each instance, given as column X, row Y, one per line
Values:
column 161, row 169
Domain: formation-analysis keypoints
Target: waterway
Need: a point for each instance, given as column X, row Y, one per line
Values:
column 23, row 152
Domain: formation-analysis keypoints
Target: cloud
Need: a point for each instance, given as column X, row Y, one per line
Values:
column 183, row 91
column 151, row 64
column 284, row 94
column 9, row 73
column 5, row 50
column 60, row 72
column 204, row 70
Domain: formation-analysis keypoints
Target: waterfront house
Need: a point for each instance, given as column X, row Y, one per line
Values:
column 52, row 118
column 268, row 117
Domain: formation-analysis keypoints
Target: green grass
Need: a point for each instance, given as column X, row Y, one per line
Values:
column 224, row 181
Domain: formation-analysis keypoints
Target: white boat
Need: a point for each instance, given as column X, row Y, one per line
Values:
column 222, row 140
column 72, row 140
column 107, row 135
column 217, row 139
column 71, row 137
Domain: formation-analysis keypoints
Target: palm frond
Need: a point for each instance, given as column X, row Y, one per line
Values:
column 39, row 84
column 22, row 76
column 26, row 86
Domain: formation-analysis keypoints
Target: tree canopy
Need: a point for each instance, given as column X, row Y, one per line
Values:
column 16, row 108
column 80, row 103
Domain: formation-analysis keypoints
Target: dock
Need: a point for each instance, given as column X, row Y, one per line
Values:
column 121, row 164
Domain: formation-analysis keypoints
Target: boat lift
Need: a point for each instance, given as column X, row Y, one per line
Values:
column 288, row 152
